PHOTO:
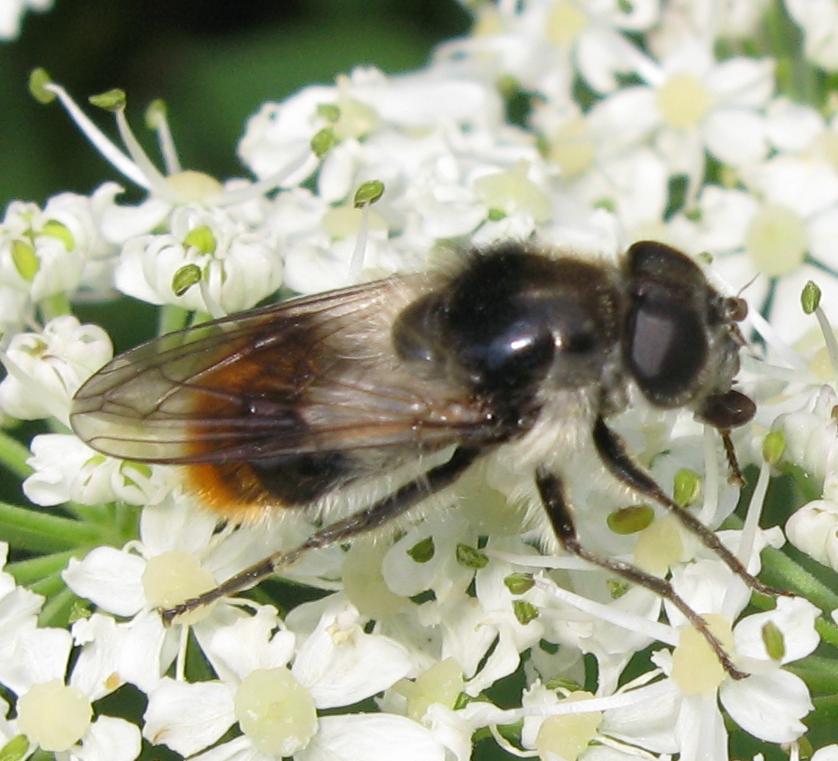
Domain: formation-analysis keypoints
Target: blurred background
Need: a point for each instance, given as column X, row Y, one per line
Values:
column 213, row 62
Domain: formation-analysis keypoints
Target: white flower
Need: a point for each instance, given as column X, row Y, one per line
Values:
column 361, row 104
column 178, row 557
column 38, row 255
column 773, row 239
column 692, row 103
column 819, row 22
column 275, row 706
column 683, row 21
column 19, row 607
column 583, row 735
column 207, row 261
column 770, row 702
column 57, row 715
column 66, row 469
column 11, row 15
column 59, row 248
column 813, row 529
column 46, row 369
column 538, row 43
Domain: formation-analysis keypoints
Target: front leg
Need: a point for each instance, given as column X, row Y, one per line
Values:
column 612, row 452
column 551, row 490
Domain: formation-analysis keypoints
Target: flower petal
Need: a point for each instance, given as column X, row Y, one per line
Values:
column 768, row 706
column 188, row 717
column 112, row 739
column 795, row 617
column 371, row 737
column 110, row 578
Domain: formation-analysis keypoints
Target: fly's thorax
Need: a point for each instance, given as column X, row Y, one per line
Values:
column 514, row 322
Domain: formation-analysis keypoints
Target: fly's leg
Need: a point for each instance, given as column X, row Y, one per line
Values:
column 613, row 453
column 374, row 516
column 551, row 490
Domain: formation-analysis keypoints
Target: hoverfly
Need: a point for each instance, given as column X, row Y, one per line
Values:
column 296, row 404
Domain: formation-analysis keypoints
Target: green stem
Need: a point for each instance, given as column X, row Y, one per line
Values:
column 49, row 586
column 780, row 570
column 171, row 318
column 827, row 630
column 56, row 612
column 795, row 76
column 40, row 532
column 29, row 571
column 13, row 455
column 54, row 306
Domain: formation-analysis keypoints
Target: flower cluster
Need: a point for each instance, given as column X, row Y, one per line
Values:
column 584, row 125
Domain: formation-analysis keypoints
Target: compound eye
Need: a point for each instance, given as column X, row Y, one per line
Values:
column 666, row 347
column 735, row 309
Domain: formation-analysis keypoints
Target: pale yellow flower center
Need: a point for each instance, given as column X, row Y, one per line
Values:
column 683, row 101
column 487, row 21
column 275, row 711
column 695, row 668
column 54, row 715
column 190, row 185
column 363, row 583
column 345, row 221
column 513, row 192
column 826, row 144
column 659, row 546
column 355, row 119
column 777, row 240
column 572, row 147
column 442, row 683
column 173, row 577
column 568, row 737
column 565, row 22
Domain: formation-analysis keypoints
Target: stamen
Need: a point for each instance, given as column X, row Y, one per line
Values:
column 157, row 119
column 751, row 525
column 155, row 179
column 504, row 744
column 356, row 263
column 829, row 338
column 266, row 184
column 711, row 478
column 100, row 141
column 629, row 621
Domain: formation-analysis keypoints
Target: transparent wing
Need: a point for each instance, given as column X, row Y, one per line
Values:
column 315, row 374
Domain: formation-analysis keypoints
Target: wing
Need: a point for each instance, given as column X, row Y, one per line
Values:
column 283, row 403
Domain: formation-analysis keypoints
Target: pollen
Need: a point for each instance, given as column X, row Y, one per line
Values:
column 173, row 577
column 275, row 711
column 569, row 736
column 777, row 240
column 683, row 101
column 54, row 715
column 565, row 23
column 695, row 668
